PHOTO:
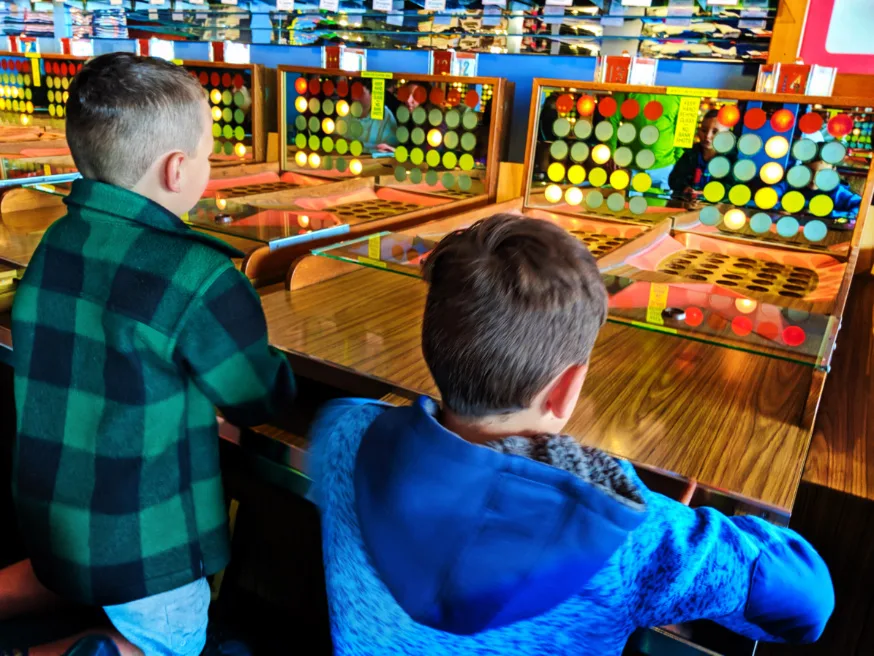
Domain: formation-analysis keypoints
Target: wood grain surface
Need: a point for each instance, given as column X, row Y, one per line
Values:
column 842, row 451
column 732, row 420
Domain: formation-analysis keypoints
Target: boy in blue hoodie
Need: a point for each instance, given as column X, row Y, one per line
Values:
column 475, row 527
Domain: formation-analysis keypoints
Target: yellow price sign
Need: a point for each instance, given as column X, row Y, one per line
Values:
column 658, row 301
column 691, row 91
column 372, row 262
column 687, row 122
column 373, row 247
column 34, row 67
column 376, row 75
column 377, row 103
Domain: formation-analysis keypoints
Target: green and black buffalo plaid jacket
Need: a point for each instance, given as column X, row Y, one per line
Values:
column 129, row 328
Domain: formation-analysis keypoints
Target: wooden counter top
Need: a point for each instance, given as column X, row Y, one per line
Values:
column 731, row 420
column 842, row 451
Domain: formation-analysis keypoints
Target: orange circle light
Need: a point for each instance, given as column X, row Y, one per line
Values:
column 221, row 203
column 586, row 106
column 728, row 115
column 240, row 150
column 745, row 305
column 300, row 85
column 303, row 221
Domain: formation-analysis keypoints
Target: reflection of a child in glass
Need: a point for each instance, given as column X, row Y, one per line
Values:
column 378, row 136
column 690, row 172
column 844, row 198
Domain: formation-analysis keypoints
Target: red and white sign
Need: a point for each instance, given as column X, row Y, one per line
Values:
column 837, row 34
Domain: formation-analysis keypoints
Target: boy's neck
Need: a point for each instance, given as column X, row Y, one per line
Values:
column 155, row 194
column 486, row 429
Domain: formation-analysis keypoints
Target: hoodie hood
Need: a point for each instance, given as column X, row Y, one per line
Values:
column 469, row 538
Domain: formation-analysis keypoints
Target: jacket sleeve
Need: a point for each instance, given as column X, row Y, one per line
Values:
column 223, row 345
column 756, row 579
column 683, row 173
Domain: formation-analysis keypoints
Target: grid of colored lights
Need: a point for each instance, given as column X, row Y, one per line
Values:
column 596, row 141
column 16, row 92
column 230, row 99
column 57, row 76
column 439, row 130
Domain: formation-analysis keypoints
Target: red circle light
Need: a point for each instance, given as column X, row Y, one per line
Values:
column 565, row 103
column 238, row 81
column 300, row 85
column 694, row 316
column 204, row 78
column 342, row 87
column 357, row 90
column 782, row 120
column 755, row 118
column 585, row 106
column 404, row 94
column 741, row 326
column 728, row 115
column 794, row 336
column 453, row 97
column 653, row 110
column 437, row 96
column 215, row 79
column 768, row 330
column 328, row 87
column 630, row 108
column 840, row 126
column 314, row 86
column 810, row 123
column 471, row 99
column 64, row 69
column 420, row 95
column 607, row 107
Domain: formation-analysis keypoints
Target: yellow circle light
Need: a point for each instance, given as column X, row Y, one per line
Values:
column 216, row 113
column 355, row 167
column 766, row 198
column 221, row 203
column 573, row 196
column 300, row 158
column 315, row 160
column 553, row 193
column 619, row 179
column 303, row 221
column 776, row 147
column 240, row 150
column 641, row 182
column 216, row 96
column 745, row 305
column 734, row 219
column 25, row 119
column 328, row 125
column 600, row 153
column 342, row 108
column 771, row 173
column 793, row 201
column 435, row 138
column 301, row 104
column 714, row 191
column 598, row 177
column 555, row 172
column 576, row 174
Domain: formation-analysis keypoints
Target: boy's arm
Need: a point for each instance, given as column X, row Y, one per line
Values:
column 754, row 578
column 223, row 344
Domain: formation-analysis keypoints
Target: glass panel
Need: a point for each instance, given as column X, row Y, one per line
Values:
column 779, row 306
column 426, row 135
column 783, row 173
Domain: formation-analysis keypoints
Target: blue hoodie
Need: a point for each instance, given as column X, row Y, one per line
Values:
column 435, row 546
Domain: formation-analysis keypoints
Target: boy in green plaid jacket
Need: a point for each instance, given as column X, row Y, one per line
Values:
column 129, row 329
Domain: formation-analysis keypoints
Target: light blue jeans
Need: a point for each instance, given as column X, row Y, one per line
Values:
column 172, row 623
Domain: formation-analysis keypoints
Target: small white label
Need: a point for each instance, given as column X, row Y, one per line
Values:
column 678, row 22
column 178, row 17
column 236, row 53
column 82, row 48
column 196, row 2
column 396, row 19
column 382, row 5
column 492, row 16
column 156, row 2
column 229, row 2
column 722, row 3
column 153, row 14
column 612, row 21
column 637, row 3
column 284, row 5
column 495, row 3
column 329, row 5
column 752, row 24
column 435, row 5
column 560, row 3
column 115, row 3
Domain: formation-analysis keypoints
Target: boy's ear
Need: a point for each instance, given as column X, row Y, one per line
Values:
column 172, row 172
column 565, row 390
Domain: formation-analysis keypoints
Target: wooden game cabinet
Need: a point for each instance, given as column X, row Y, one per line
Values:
column 310, row 205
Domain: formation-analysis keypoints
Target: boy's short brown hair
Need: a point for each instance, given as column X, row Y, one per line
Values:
column 512, row 302
column 125, row 111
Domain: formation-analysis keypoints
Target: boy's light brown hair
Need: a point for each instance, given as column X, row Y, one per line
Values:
column 125, row 111
column 512, row 302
